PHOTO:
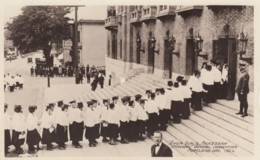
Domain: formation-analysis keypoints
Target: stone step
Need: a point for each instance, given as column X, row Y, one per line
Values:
column 226, row 126
column 183, row 138
column 196, row 137
column 230, row 119
column 131, row 85
column 231, row 112
column 169, row 137
column 234, row 104
column 147, row 83
column 212, row 136
column 152, row 81
column 246, row 145
column 142, row 84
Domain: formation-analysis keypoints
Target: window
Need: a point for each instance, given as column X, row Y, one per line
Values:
column 78, row 36
column 108, row 48
column 120, row 48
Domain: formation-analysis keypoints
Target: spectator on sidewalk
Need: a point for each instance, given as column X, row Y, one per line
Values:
column 101, row 80
column 32, row 71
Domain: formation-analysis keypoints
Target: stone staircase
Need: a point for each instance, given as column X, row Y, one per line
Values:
column 216, row 123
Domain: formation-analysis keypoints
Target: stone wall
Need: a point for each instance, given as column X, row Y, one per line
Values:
column 208, row 23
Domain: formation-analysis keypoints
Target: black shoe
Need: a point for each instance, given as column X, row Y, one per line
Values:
column 105, row 140
column 62, row 148
column 31, row 151
column 141, row 138
column 94, row 141
column 239, row 113
column 39, row 148
column 49, row 148
column 123, row 141
column 244, row 115
column 92, row 145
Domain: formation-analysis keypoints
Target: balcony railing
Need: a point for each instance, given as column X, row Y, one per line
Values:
column 111, row 23
column 165, row 11
column 148, row 13
column 136, row 17
column 181, row 9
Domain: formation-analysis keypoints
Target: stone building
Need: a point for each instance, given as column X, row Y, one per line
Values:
column 92, row 42
column 175, row 40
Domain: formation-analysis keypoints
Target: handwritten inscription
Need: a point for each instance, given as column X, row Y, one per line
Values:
column 204, row 146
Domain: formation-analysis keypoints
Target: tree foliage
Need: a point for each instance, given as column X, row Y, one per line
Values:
column 38, row 27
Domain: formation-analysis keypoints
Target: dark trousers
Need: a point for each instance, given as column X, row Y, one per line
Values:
column 90, row 134
column 124, row 130
column 185, row 109
column 141, row 127
column 7, row 139
column 223, row 92
column 196, row 100
column 175, row 111
column 133, row 130
column 217, row 90
column 152, row 123
column 209, row 97
column 112, row 131
column 11, row 88
column 243, row 103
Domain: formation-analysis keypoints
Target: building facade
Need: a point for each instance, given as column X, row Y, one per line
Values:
column 92, row 42
column 175, row 40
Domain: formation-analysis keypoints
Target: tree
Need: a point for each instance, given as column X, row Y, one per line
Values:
column 38, row 27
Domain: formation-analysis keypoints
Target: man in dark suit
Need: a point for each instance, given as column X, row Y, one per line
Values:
column 242, row 89
column 159, row 149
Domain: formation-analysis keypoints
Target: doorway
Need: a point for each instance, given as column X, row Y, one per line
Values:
column 224, row 52
column 167, row 59
column 150, row 57
column 191, row 57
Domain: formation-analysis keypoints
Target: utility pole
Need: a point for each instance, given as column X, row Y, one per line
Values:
column 76, row 46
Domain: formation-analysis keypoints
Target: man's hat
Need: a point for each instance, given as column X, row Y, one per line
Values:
column 152, row 95
column 158, row 90
column 80, row 105
column 170, row 83
column 115, row 98
column 184, row 82
column 72, row 102
column 111, row 105
column 148, row 92
column 94, row 101
column 106, row 100
column 179, row 78
column 17, row 107
column 48, row 107
column 90, row 103
column 65, row 106
column 131, row 103
column 142, row 101
column 176, row 84
column 138, row 97
column 60, row 103
column 32, row 108
column 162, row 90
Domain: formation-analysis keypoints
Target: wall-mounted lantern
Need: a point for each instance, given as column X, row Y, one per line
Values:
column 226, row 29
column 198, row 44
column 242, row 43
column 171, row 44
column 153, row 45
